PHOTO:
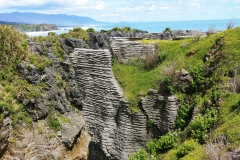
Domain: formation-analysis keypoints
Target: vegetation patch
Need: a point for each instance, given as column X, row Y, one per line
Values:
column 53, row 122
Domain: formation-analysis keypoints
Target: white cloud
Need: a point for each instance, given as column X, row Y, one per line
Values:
column 100, row 5
column 152, row 7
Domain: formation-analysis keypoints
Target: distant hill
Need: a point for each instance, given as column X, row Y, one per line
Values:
column 37, row 18
column 8, row 23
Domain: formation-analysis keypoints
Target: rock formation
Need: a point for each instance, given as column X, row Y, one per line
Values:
column 124, row 49
column 161, row 110
column 5, row 133
column 104, row 128
column 115, row 131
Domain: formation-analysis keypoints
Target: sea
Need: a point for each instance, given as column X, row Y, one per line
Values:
column 152, row 27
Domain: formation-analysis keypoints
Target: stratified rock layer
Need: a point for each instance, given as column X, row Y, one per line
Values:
column 161, row 110
column 116, row 132
column 124, row 49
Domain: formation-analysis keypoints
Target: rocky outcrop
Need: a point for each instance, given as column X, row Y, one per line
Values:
column 124, row 49
column 98, row 40
column 46, row 27
column 35, row 47
column 116, row 132
column 161, row 110
column 179, row 34
column 68, row 44
column 38, row 141
column 5, row 133
column 165, row 35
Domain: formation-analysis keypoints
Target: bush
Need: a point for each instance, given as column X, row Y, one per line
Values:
column 52, row 121
column 184, row 115
column 201, row 125
column 11, row 49
column 140, row 155
column 90, row 30
column 151, row 61
column 164, row 143
column 197, row 74
column 231, row 24
column 211, row 30
column 39, row 61
column 186, row 148
column 79, row 33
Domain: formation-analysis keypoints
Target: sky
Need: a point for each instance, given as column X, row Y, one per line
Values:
column 130, row 10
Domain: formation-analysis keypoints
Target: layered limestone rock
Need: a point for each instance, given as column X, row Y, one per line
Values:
column 161, row 110
column 116, row 132
column 124, row 49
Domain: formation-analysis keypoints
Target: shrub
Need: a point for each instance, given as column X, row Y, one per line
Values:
column 79, row 33
column 197, row 74
column 184, row 115
column 152, row 147
column 140, row 155
column 39, row 61
column 11, row 48
column 231, row 23
column 164, row 143
column 150, row 122
column 151, row 61
column 201, row 125
column 186, row 148
column 52, row 121
column 211, row 30
column 90, row 30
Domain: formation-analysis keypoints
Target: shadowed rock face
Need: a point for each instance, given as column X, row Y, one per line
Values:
column 116, row 132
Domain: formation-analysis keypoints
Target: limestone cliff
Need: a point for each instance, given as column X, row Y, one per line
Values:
column 100, row 126
column 115, row 131
column 124, row 49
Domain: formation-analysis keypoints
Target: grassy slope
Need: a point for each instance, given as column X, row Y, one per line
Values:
column 135, row 80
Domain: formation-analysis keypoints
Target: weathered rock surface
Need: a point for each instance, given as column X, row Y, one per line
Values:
column 38, row 141
column 115, row 131
column 162, row 110
column 98, row 40
column 35, row 47
column 165, row 35
column 5, row 133
column 124, row 49
column 68, row 44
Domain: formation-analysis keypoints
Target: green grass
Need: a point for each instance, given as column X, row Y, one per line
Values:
column 64, row 119
column 214, row 87
column 134, row 80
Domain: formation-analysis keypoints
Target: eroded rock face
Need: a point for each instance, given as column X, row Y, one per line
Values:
column 5, row 133
column 124, row 49
column 162, row 110
column 39, row 142
column 116, row 132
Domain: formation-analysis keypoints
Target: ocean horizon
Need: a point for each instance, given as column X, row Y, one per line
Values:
column 152, row 27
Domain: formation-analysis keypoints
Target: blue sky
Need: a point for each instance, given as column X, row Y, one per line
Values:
column 130, row 10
